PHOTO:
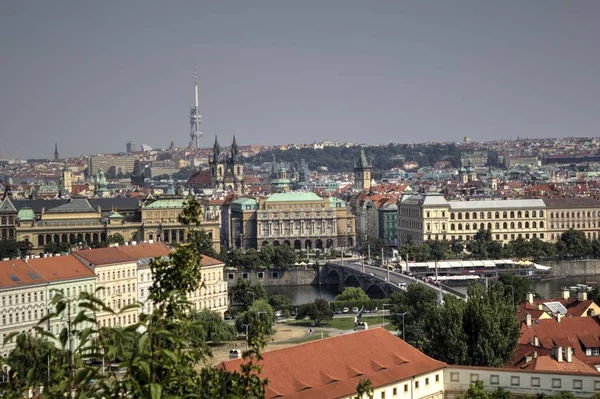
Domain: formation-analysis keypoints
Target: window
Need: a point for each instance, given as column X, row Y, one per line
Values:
column 474, row 377
column 596, row 385
column 577, row 385
column 454, row 377
column 515, row 381
column 556, row 383
column 494, row 379
column 427, row 381
column 395, row 391
column 437, row 378
column 383, row 395
column 405, row 388
column 416, row 384
column 535, row 382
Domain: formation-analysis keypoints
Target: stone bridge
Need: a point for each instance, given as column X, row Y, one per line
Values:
column 373, row 280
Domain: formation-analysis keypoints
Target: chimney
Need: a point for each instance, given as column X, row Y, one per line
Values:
column 558, row 317
column 535, row 355
column 528, row 319
column 569, row 355
column 530, row 298
column 536, row 341
column 582, row 296
column 566, row 294
column 558, row 354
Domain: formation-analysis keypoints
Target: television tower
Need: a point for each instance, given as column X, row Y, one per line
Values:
column 195, row 119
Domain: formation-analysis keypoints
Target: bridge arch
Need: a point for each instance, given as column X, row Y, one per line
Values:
column 351, row 281
column 375, row 291
column 333, row 277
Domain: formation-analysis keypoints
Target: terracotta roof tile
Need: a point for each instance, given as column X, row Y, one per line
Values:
column 331, row 367
column 61, row 268
column 145, row 250
column 17, row 273
column 105, row 256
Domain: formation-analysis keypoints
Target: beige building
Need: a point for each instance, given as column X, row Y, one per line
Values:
column 299, row 219
column 111, row 164
column 572, row 213
column 425, row 217
column 116, row 274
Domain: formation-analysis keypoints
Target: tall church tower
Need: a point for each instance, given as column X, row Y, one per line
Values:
column 362, row 173
column 56, row 152
column 217, row 167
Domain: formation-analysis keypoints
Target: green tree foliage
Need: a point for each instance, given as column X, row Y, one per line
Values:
column 446, row 338
column 243, row 294
column 205, row 244
column 374, row 245
column 364, row 389
column 491, row 324
column 54, row 248
column 318, row 311
column 521, row 286
column 115, row 239
column 574, row 243
column 260, row 313
column 13, row 249
column 279, row 301
column 214, row 328
column 476, row 391
column 352, row 294
column 284, row 257
column 267, row 253
column 167, row 349
column 416, row 302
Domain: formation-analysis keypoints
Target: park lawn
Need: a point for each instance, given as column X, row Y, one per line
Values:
column 307, row 338
column 340, row 323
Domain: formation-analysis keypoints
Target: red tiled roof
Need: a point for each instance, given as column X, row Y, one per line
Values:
column 17, row 273
column 145, row 250
column 332, row 367
column 202, row 177
column 548, row 363
column 105, row 256
column 60, row 267
column 208, row 261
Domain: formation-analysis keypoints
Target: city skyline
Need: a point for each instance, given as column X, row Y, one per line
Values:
column 95, row 76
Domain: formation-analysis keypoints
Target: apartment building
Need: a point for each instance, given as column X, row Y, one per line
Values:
column 111, row 164
column 23, row 299
column 116, row 273
column 572, row 213
column 212, row 294
column 423, row 217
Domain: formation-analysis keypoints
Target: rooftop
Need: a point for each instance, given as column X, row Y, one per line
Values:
column 60, row 268
column 145, row 250
column 293, row 197
column 17, row 273
column 105, row 256
column 496, row 204
column 332, row 367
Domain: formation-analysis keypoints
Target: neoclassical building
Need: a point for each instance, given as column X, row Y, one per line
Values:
column 573, row 213
column 302, row 220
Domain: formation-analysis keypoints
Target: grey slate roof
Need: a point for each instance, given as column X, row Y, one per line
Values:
column 496, row 204
column 75, row 205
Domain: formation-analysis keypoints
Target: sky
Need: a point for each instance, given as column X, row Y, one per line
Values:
column 93, row 75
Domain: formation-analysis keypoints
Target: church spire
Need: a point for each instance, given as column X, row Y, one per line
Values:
column 234, row 149
column 56, row 151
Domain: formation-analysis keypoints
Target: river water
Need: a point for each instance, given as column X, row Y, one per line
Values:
column 300, row 294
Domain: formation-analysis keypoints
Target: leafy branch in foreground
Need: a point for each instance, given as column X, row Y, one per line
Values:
column 163, row 355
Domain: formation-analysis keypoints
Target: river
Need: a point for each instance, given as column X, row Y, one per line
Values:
column 300, row 294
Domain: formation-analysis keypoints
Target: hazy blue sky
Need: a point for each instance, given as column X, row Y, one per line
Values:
column 92, row 75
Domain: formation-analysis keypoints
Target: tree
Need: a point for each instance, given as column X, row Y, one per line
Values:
column 51, row 248
column 492, row 326
column 318, row 311
column 259, row 313
column 374, row 245
column 574, row 243
column 279, row 301
column 520, row 285
column 267, row 253
column 284, row 257
column 352, row 294
column 364, row 388
column 244, row 293
column 235, row 258
column 439, row 249
column 476, row 391
column 204, row 244
column 446, row 338
column 252, row 260
column 416, row 302
column 13, row 249
column 478, row 246
column 214, row 328
column 115, row 238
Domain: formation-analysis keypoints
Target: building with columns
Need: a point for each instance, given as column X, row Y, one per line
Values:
column 302, row 220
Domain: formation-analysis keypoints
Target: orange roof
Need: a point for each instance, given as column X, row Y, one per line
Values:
column 208, row 261
column 60, row 268
column 332, row 367
column 548, row 363
column 145, row 250
column 17, row 273
column 105, row 256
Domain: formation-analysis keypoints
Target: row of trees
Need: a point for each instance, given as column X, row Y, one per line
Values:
column 482, row 331
column 571, row 244
column 281, row 257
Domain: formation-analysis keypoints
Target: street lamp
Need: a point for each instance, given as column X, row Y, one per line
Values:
column 402, row 314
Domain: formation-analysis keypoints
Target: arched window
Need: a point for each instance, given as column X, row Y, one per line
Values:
column 452, row 226
column 526, row 214
column 443, row 226
column 481, row 226
column 534, row 225
column 504, row 215
column 526, row 225
column 428, row 226
column 467, row 215
column 541, row 214
column 460, row 226
column 474, row 215
column 497, row 225
column 533, row 214
column 489, row 226
column 467, row 226
column 452, row 216
column 459, row 216
column 512, row 214
column 519, row 214
column 512, row 225
column 489, row 215
column 541, row 225
column 505, row 225
column 520, row 225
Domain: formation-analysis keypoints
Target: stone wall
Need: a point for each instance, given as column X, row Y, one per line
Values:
column 272, row 277
column 574, row 267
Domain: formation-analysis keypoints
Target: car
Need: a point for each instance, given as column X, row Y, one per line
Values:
column 355, row 310
column 345, row 310
column 337, row 311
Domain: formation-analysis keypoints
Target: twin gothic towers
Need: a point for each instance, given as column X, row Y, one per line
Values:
column 227, row 169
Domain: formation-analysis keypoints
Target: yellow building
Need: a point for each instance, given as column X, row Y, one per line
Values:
column 573, row 213
column 425, row 217
column 116, row 274
column 302, row 220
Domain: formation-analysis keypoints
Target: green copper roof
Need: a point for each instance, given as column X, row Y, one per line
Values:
column 293, row 197
column 244, row 201
column 166, row 204
column 115, row 215
column 336, row 203
column 26, row 215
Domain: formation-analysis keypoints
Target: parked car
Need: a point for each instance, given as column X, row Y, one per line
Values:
column 355, row 310
column 345, row 310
